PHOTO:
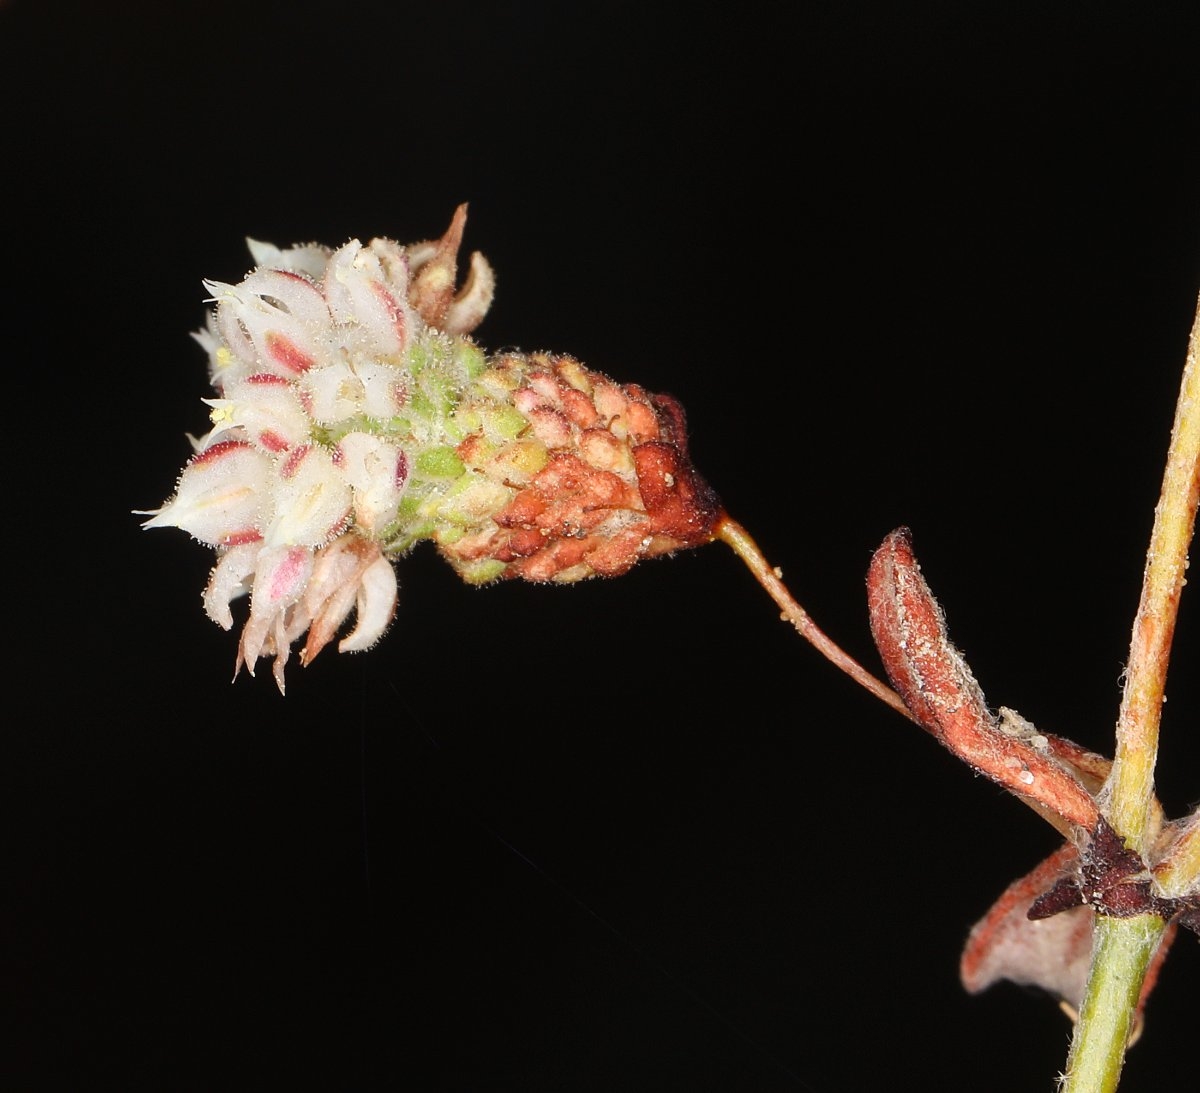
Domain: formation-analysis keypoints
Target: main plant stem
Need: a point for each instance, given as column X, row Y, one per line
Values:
column 1121, row 951
column 1130, row 787
column 1122, row 948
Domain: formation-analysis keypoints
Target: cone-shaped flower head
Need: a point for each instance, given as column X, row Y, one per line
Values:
column 355, row 417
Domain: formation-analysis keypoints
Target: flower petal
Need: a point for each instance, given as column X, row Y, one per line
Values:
column 377, row 471
column 220, row 496
column 229, row 580
column 279, row 582
column 274, row 320
column 361, row 297
column 265, row 408
column 312, row 499
column 375, row 606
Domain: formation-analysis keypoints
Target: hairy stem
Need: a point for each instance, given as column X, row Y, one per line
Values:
column 1130, row 788
column 730, row 531
column 1122, row 948
column 1121, row 952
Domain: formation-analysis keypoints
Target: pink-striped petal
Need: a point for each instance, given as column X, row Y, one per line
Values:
column 220, row 496
column 312, row 499
column 279, row 582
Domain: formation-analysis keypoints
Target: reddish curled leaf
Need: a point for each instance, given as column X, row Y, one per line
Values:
column 1052, row 953
column 938, row 687
column 1039, row 933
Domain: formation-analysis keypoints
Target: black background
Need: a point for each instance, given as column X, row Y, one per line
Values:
column 929, row 264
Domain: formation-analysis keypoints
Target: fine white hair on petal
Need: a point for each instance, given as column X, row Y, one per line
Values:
column 224, row 367
column 360, row 296
column 220, row 496
column 377, row 471
column 292, row 293
column 375, row 606
column 309, row 259
column 393, row 260
column 471, row 304
column 274, row 320
column 334, row 393
column 332, row 369
column 331, row 592
column 230, row 579
column 279, row 580
column 384, row 388
column 267, row 408
column 207, row 338
column 312, row 499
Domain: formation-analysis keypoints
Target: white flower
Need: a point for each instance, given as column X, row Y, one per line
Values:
column 265, row 408
column 274, row 321
column 311, row 499
column 377, row 471
column 318, row 418
column 296, row 516
column 221, row 495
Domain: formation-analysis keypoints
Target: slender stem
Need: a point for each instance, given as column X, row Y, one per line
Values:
column 1122, row 948
column 730, row 531
column 1121, row 952
column 1130, row 787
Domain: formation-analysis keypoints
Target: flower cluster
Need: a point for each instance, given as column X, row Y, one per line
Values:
column 355, row 417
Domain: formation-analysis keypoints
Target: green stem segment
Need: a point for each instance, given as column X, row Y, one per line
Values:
column 1121, row 952
column 1122, row 948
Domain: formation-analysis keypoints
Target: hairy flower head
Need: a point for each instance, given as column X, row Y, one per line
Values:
column 355, row 417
